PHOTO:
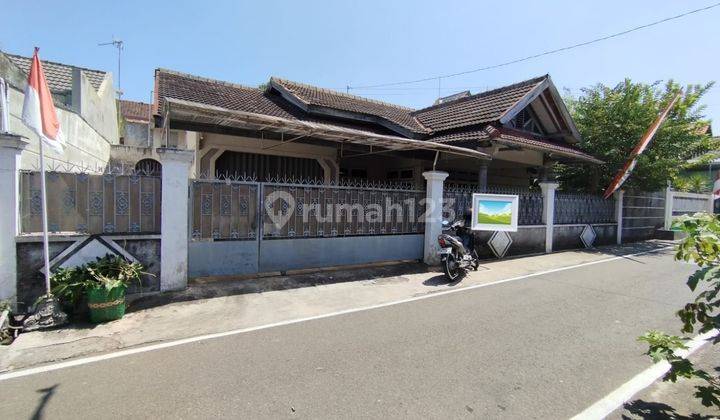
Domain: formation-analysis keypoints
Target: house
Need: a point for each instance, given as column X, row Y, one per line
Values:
column 292, row 130
column 226, row 179
column 85, row 102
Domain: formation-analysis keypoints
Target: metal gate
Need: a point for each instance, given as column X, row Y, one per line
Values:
column 244, row 227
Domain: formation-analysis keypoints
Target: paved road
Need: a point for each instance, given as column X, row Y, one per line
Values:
column 542, row 347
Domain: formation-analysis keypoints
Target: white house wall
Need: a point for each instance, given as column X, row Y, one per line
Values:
column 85, row 146
column 98, row 108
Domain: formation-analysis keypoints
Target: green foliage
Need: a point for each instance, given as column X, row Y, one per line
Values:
column 612, row 120
column 4, row 304
column 110, row 272
column 702, row 247
column 695, row 183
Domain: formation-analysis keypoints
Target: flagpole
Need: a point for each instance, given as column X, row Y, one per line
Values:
column 46, row 243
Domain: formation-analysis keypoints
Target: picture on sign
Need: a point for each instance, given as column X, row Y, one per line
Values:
column 495, row 212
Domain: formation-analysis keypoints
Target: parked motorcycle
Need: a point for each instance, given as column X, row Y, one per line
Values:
column 457, row 249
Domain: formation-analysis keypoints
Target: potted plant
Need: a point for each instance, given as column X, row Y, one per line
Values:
column 101, row 283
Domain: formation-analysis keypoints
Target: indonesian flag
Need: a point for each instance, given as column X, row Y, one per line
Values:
column 38, row 109
column 624, row 173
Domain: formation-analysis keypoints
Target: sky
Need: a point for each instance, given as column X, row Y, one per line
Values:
column 334, row 44
column 494, row 207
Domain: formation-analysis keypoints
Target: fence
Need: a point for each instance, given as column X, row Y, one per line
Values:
column 573, row 208
column 223, row 210
column 458, row 201
column 643, row 213
column 687, row 203
column 91, row 204
column 240, row 210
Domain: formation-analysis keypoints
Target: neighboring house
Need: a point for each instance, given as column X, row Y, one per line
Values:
column 296, row 131
column 85, row 101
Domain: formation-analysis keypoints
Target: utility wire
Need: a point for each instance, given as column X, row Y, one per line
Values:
column 530, row 57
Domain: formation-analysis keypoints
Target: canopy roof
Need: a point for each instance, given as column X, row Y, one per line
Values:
column 209, row 114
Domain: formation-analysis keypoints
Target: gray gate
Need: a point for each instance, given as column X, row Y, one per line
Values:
column 643, row 214
column 246, row 227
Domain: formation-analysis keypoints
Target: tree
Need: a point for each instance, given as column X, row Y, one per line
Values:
column 701, row 246
column 612, row 120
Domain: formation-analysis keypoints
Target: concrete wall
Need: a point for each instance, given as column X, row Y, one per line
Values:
column 222, row 258
column 31, row 282
column 248, row 257
column 85, row 146
column 97, row 108
column 135, row 134
column 88, row 121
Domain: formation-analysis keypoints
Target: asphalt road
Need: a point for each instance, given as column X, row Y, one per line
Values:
column 541, row 347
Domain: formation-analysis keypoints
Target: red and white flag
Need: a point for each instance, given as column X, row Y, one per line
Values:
column 716, row 188
column 624, row 172
column 38, row 109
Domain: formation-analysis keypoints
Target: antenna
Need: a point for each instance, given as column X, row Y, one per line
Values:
column 117, row 43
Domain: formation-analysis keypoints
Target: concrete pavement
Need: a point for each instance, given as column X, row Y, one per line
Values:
column 546, row 346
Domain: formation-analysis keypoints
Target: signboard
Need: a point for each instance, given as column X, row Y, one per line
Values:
column 495, row 212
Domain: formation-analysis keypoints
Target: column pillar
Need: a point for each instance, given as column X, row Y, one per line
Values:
column 668, row 207
column 433, row 215
column 174, row 217
column 11, row 146
column 483, row 176
column 619, row 195
column 548, row 214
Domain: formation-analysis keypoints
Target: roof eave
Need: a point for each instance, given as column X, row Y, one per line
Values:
column 329, row 132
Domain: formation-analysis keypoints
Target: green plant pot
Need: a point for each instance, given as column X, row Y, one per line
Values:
column 106, row 305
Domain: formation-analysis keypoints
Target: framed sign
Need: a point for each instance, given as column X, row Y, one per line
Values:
column 495, row 212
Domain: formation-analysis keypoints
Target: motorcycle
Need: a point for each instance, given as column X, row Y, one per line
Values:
column 457, row 251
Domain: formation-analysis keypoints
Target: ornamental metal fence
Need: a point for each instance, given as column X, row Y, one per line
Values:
column 78, row 202
column 457, row 201
column 240, row 208
column 575, row 208
column 224, row 210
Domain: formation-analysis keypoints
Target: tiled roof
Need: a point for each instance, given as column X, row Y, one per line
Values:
column 316, row 96
column 479, row 111
column 131, row 110
column 231, row 96
column 235, row 97
column 58, row 75
column 476, row 109
column 514, row 137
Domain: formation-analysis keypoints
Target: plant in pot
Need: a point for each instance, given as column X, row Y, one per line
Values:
column 102, row 283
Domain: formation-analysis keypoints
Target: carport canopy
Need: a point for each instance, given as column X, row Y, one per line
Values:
column 207, row 114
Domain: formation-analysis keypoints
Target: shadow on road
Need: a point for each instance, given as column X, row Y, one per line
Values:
column 653, row 410
column 40, row 409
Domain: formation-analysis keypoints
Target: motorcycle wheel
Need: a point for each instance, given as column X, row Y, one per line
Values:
column 451, row 267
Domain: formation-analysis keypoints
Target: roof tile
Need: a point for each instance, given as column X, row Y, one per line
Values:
column 481, row 108
column 59, row 76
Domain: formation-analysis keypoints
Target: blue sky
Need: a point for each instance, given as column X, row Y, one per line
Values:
column 336, row 43
column 494, row 207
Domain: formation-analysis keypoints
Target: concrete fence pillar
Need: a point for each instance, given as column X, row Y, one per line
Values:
column 548, row 215
column 483, row 176
column 668, row 207
column 619, row 196
column 433, row 215
column 10, row 148
column 174, row 217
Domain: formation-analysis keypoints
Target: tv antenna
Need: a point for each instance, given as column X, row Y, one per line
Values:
column 117, row 43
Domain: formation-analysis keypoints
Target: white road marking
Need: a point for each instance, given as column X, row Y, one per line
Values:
column 642, row 380
column 174, row 343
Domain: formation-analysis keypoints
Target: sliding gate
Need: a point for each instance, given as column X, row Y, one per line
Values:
column 245, row 227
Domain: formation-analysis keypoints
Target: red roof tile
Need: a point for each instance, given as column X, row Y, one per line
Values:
column 131, row 110
column 476, row 109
